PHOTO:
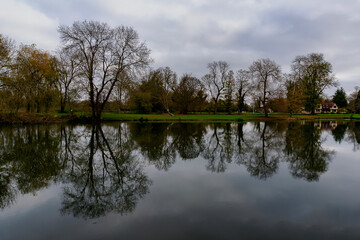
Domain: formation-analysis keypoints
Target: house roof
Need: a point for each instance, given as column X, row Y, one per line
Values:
column 328, row 105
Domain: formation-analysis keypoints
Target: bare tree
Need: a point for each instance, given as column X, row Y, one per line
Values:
column 265, row 73
column 7, row 52
column 229, row 92
column 122, row 88
column 168, row 82
column 104, row 53
column 67, row 65
column 215, row 80
column 7, row 93
column 243, row 86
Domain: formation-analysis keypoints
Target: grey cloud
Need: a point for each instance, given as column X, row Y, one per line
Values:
column 187, row 35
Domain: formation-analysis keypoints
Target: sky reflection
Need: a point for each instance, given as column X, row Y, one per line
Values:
column 179, row 181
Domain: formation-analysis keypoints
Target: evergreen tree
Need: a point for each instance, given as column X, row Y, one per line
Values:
column 340, row 98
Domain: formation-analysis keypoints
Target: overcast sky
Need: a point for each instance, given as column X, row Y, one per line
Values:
column 186, row 35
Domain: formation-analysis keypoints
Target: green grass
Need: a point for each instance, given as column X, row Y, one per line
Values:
column 56, row 117
column 178, row 117
column 221, row 117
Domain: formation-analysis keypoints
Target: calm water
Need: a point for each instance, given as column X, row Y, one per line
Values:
column 261, row 180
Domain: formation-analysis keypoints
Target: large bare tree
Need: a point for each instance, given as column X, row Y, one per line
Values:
column 243, row 87
column 7, row 50
column 168, row 84
column 265, row 73
column 105, row 53
column 122, row 88
column 215, row 80
column 67, row 65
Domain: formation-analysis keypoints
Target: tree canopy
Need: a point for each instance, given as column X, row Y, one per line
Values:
column 315, row 75
column 104, row 54
column 265, row 73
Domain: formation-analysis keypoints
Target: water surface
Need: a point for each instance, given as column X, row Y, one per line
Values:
column 255, row 180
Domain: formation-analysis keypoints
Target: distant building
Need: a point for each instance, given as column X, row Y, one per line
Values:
column 327, row 107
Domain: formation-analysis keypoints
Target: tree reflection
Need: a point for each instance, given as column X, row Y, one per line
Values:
column 154, row 143
column 29, row 160
column 354, row 135
column 188, row 139
column 339, row 132
column 219, row 147
column 304, row 151
column 263, row 149
column 105, row 176
column 102, row 167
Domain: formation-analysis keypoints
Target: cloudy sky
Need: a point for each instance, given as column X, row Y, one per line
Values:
column 185, row 35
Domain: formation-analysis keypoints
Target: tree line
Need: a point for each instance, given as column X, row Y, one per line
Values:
column 101, row 68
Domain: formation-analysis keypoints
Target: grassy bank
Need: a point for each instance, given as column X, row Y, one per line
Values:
column 223, row 117
column 22, row 118
column 84, row 117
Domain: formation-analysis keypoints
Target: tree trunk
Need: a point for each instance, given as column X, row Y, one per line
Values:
column 63, row 102
column 92, row 99
column 240, row 105
column 37, row 107
column 98, row 112
column 168, row 111
column 264, row 99
column 265, row 110
column 215, row 108
column 312, row 111
column 62, row 106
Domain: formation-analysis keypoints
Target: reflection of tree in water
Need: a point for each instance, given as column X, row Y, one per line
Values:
column 159, row 143
column 219, row 147
column 354, row 135
column 28, row 160
column 188, row 139
column 105, row 176
column 101, row 167
column 304, row 151
column 339, row 132
column 154, row 143
column 260, row 149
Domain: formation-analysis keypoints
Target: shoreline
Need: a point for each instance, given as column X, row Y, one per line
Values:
column 108, row 117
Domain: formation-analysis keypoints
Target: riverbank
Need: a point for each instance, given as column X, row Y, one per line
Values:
column 31, row 118
column 85, row 118
column 226, row 117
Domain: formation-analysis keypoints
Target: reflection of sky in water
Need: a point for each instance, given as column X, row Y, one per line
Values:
column 189, row 202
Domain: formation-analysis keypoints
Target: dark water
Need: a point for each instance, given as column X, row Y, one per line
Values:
column 262, row 180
